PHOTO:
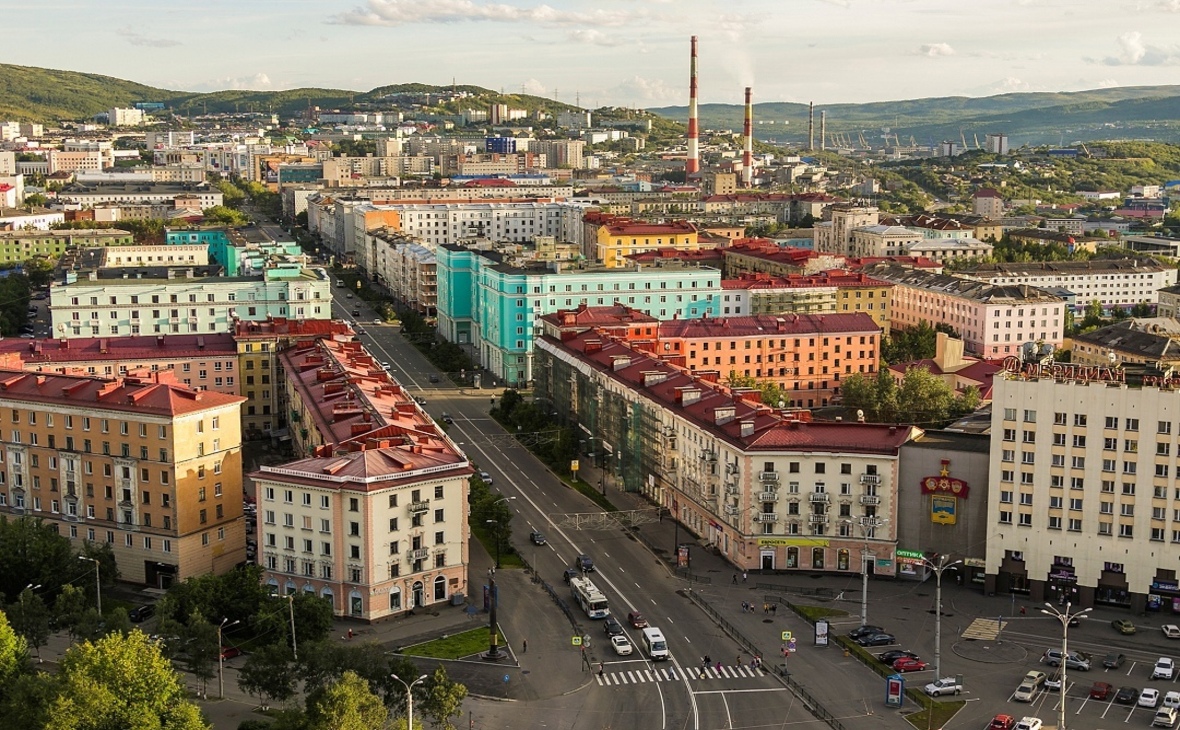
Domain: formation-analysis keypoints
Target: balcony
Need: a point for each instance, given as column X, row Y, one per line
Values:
column 769, row 476
column 731, row 510
column 818, row 498
column 870, row 478
column 419, row 554
column 818, row 519
column 766, row 517
column 870, row 499
column 768, row 496
column 732, row 489
column 417, row 508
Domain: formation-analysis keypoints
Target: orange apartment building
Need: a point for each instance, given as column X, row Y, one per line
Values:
column 843, row 292
column 144, row 464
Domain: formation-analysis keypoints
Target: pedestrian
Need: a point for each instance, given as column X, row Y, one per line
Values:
column 601, row 666
column 744, row 576
column 1022, row 611
column 350, row 633
column 718, row 667
column 738, row 662
column 735, row 579
column 765, row 609
column 783, row 649
column 524, row 647
column 774, row 609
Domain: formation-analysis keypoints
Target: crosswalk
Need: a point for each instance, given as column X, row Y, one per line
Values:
column 671, row 674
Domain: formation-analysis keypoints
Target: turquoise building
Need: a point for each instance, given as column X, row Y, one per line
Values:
column 494, row 306
column 241, row 252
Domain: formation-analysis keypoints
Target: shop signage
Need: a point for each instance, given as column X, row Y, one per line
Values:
column 1064, row 371
column 975, row 562
column 911, row 554
column 715, row 526
column 1113, row 567
column 821, row 633
column 944, row 483
column 791, row 542
column 894, row 690
column 1063, row 575
column 1164, row 585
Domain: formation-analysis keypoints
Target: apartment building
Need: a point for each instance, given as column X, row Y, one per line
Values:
column 829, row 291
column 1115, row 283
column 835, row 235
column 993, row 321
column 29, row 219
column 487, row 303
column 373, row 516
column 882, row 240
column 944, row 250
column 23, row 245
column 768, row 490
column 763, row 256
column 1144, row 341
column 617, row 238
column 203, row 196
column 143, row 464
column 1082, row 493
column 988, row 203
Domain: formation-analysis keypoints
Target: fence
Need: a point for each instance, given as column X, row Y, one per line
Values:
column 817, row 592
column 558, row 596
column 810, row 702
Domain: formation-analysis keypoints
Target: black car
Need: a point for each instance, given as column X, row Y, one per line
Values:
column 1113, row 660
column 141, row 613
column 890, row 657
column 569, row 573
column 537, row 537
column 419, row 400
column 584, row 563
column 865, row 630
column 877, row 640
column 434, row 378
column 612, row 627
column 1126, row 696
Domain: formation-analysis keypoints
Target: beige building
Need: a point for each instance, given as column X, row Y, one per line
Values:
column 882, row 241
column 835, row 235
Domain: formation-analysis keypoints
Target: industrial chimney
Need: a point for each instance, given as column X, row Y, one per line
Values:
column 823, row 130
column 810, row 125
column 748, row 136
column 692, row 164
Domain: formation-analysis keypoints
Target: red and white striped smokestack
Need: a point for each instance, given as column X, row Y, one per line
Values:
column 692, row 164
column 748, row 135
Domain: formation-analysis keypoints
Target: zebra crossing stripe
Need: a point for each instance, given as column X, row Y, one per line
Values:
column 633, row 677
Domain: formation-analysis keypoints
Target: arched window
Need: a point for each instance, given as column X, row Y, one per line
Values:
column 395, row 599
column 842, row 559
column 792, row 557
column 817, row 558
column 440, row 588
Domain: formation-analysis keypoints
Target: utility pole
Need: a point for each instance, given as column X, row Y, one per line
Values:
column 1064, row 617
column 221, row 658
column 938, row 570
column 294, row 644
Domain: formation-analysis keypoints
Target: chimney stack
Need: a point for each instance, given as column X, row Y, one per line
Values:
column 823, row 130
column 748, row 150
column 810, row 126
column 692, row 165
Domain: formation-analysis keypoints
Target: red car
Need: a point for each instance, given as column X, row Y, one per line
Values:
column 1002, row 722
column 1101, row 690
column 229, row 652
column 905, row 664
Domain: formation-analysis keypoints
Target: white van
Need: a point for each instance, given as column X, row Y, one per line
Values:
column 655, row 644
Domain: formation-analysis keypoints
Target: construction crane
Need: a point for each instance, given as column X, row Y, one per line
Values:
column 1083, row 146
column 962, row 139
column 977, row 141
column 913, row 142
column 863, row 144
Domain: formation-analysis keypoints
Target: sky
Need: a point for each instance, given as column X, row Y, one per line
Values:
column 611, row 52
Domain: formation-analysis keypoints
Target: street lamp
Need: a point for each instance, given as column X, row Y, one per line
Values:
column 221, row 657
column 497, row 524
column 1064, row 617
column 97, row 582
column 409, row 698
column 868, row 526
column 938, row 570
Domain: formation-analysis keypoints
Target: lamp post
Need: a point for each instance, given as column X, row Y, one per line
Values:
column 1064, row 617
column 294, row 644
column 221, row 657
column 868, row 525
column 938, row 570
column 409, row 698
column 493, row 599
column 97, row 582
column 497, row 524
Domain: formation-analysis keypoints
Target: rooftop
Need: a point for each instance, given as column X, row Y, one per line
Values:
column 1153, row 339
column 761, row 325
column 956, row 286
column 84, row 349
column 154, row 394
column 1043, row 268
column 834, row 278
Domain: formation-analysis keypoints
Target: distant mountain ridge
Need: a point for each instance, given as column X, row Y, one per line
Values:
column 1130, row 112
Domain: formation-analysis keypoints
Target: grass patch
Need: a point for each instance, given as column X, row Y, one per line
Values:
column 815, row 613
column 937, row 715
column 455, row 646
column 508, row 555
column 590, row 491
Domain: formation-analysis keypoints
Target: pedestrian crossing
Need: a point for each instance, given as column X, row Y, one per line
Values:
column 672, row 674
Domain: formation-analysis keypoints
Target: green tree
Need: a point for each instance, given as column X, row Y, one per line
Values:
column 924, row 397
column 14, row 652
column 120, row 682
column 201, row 650
column 226, row 215
column 30, row 618
column 25, row 700
column 346, row 704
column 1142, row 309
column 36, row 199
column 69, row 608
column 237, row 596
column 313, row 618
column 442, row 699
column 860, row 391
column 270, row 673
column 32, row 553
column 231, row 195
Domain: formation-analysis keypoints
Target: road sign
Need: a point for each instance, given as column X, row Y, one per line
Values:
column 574, row 466
column 576, row 641
column 791, row 645
column 506, row 678
column 786, row 636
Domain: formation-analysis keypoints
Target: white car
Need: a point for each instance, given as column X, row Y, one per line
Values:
column 1028, row 723
column 944, row 686
column 1172, row 699
column 1149, row 697
column 621, row 645
column 1165, row 668
column 1172, row 631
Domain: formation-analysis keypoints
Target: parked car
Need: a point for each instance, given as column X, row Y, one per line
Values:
column 1171, row 631
column 1149, row 697
column 1126, row 695
column 419, row 400
column 433, row 378
column 1053, row 681
column 1123, row 626
column 905, row 664
column 636, row 620
column 611, row 626
column 1164, row 717
column 486, row 477
column 140, row 614
column 537, row 537
column 1172, row 699
column 584, row 563
column 1002, row 722
column 1101, row 690
column 890, row 657
column 446, row 417
column 1029, row 723
column 229, row 652
column 1026, row 690
column 881, row 639
column 944, row 686
column 865, row 630
column 1165, row 668
column 1113, row 660
column 1075, row 660
column 621, row 644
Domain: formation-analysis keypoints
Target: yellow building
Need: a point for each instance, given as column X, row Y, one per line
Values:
column 143, row 464
column 618, row 238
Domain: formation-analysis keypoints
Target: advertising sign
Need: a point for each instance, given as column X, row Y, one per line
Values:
column 894, row 690
column 821, row 633
column 682, row 556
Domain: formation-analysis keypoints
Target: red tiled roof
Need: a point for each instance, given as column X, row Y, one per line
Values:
column 121, row 348
column 585, row 316
column 283, row 326
column 372, row 463
column 917, row 262
column 494, row 182
column 768, row 324
column 675, row 254
column 986, row 193
column 838, row 278
column 156, row 393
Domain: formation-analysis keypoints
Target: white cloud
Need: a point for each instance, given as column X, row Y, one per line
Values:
column 593, row 36
column 639, row 91
column 136, row 38
column 258, row 82
column 534, row 87
column 1171, row 6
column 1133, row 51
column 1106, row 84
column 407, row 12
column 934, row 50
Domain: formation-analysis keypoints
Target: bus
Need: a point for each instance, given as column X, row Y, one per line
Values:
column 592, row 600
column 655, row 644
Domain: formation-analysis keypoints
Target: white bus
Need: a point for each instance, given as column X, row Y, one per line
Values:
column 592, row 600
column 655, row 644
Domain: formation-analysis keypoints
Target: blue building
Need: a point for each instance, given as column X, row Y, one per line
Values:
column 501, row 145
column 494, row 306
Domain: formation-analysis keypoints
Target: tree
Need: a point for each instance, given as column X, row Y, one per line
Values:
column 313, row 618
column 30, row 618
column 26, row 699
column 324, row 662
column 116, row 621
column 923, row 397
column 269, row 673
column 32, row 553
column 223, row 214
column 120, row 681
column 201, row 650
column 69, row 608
column 14, row 652
column 346, row 704
column 442, row 699
column 36, row 199
column 237, row 595
column 1142, row 309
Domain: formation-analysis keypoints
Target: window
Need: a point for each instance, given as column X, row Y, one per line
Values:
column 1075, row 525
column 1005, row 517
column 1008, row 455
column 1058, row 419
column 1009, row 414
column 1164, row 427
column 1079, row 441
column 1025, row 520
column 1126, row 530
column 1030, row 437
column 1030, row 416
column 1132, row 424
column 1006, row 496
column 1009, row 434
column 1054, row 523
column 1078, row 462
column 1112, row 422
column 1059, row 439
column 1079, row 419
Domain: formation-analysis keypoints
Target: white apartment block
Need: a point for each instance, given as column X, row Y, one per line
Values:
column 119, row 117
column 943, row 250
column 1083, row 494
column 1121, row 283
column 179, row 302
column 181, row 254
column 40, row 219
column 835, row 235
column 992, row 320
column 881, row 240
column 408, row 269
column 89, row 195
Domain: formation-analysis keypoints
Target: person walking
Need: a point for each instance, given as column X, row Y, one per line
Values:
column 601, row 667
column 744, row 576
column 525, row 647
column 718, row 667
column 735, row 579
column 738, row 662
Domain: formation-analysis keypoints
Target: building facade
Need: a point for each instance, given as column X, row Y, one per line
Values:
column 22, row 245
column 1115, row 283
